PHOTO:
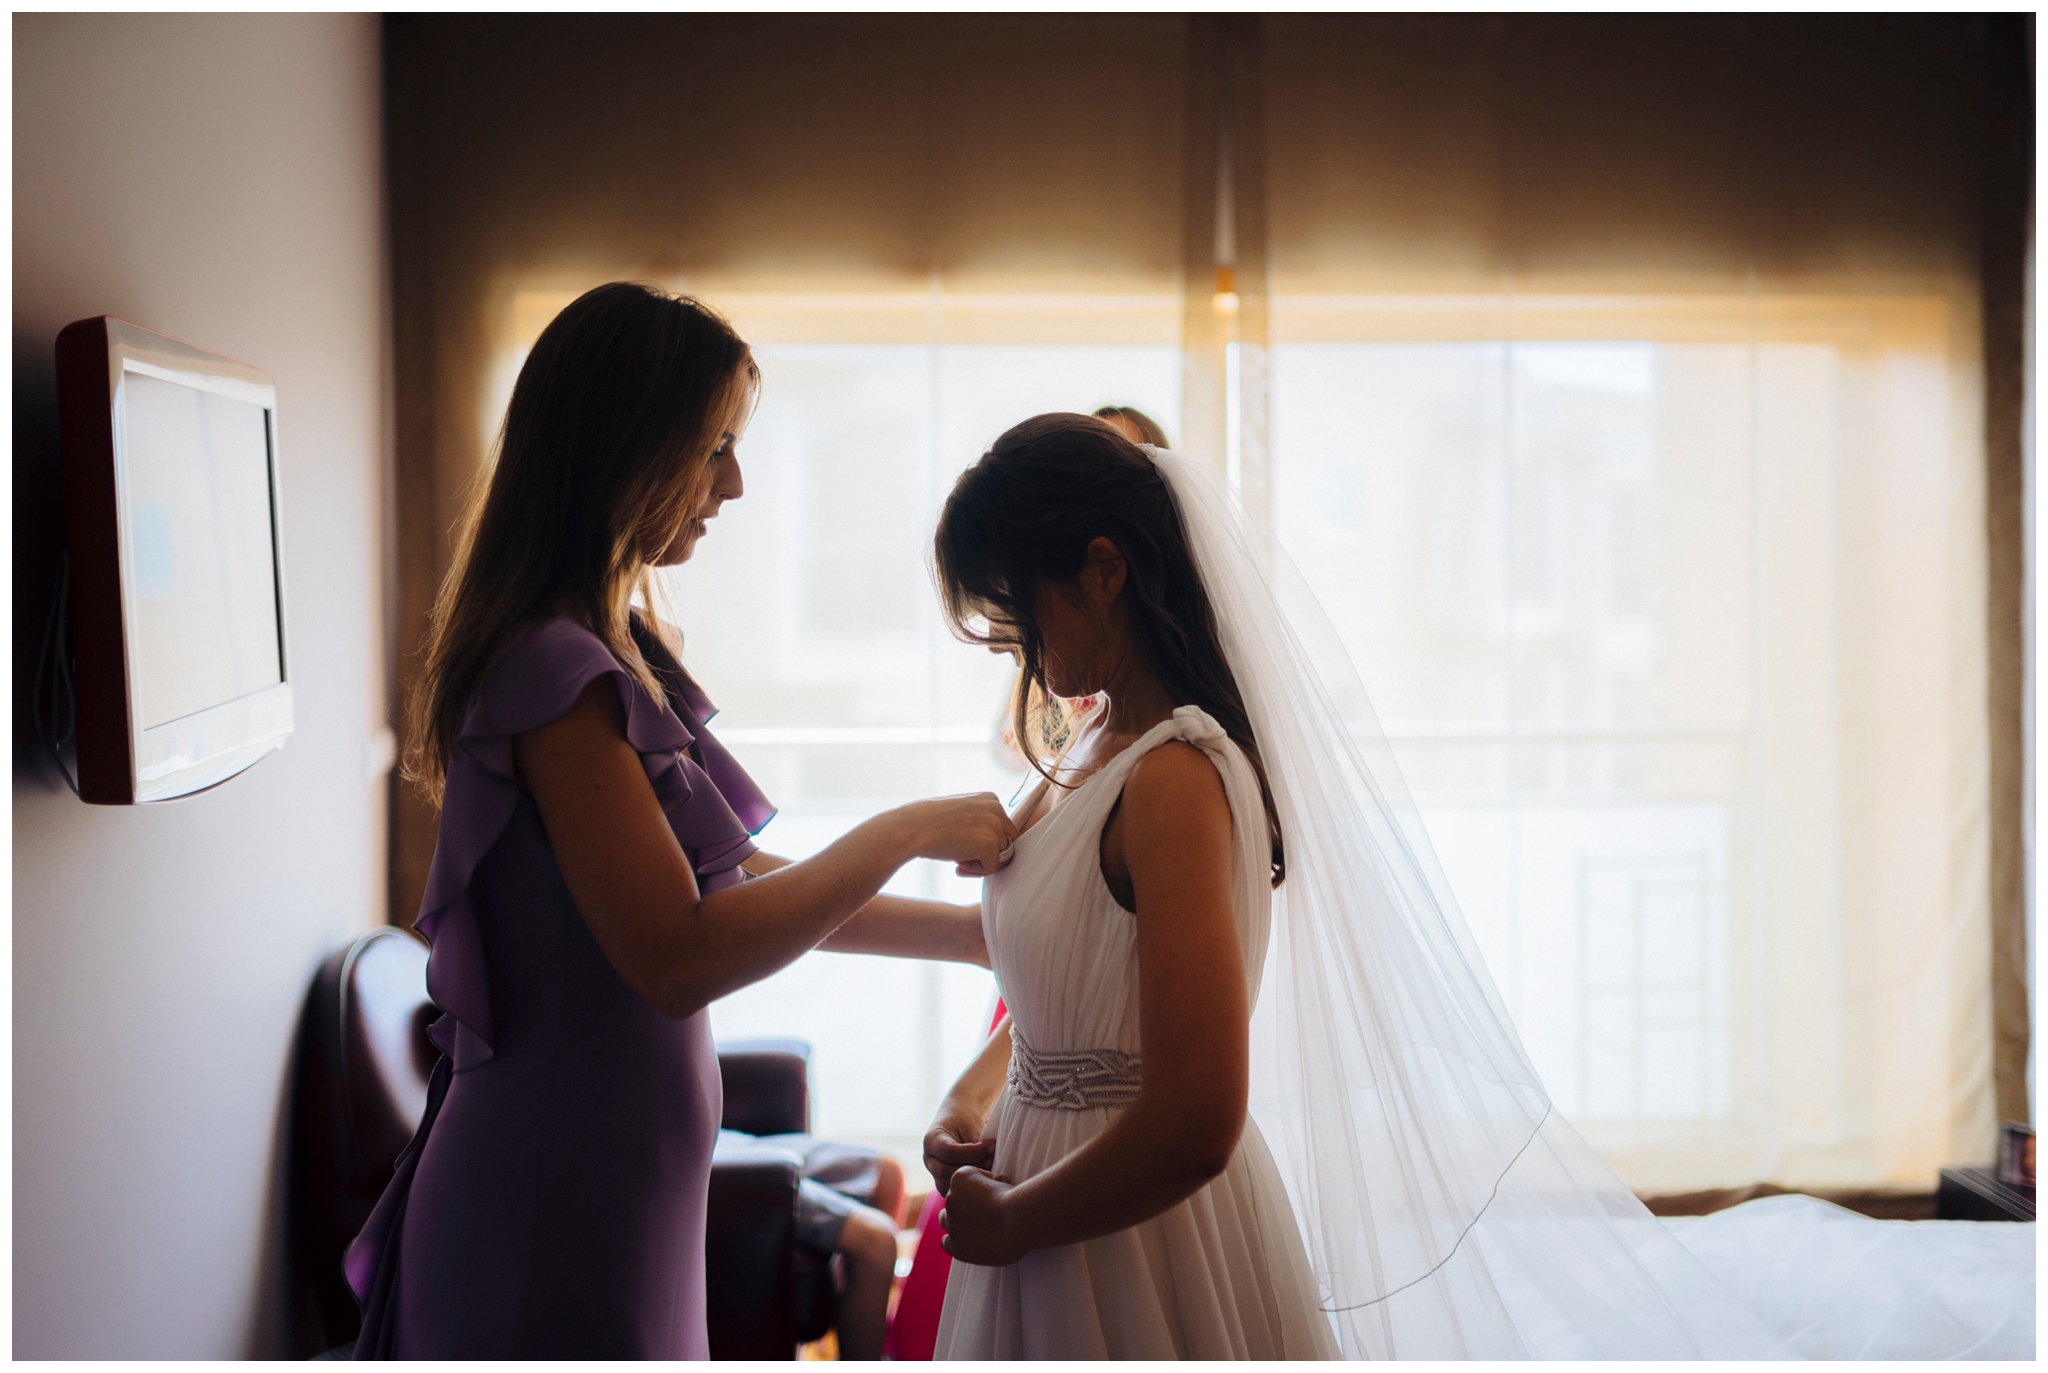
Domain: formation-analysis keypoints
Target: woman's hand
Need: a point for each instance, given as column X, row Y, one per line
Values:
column 635, row 888
column 974, row 832
column 976, row 1220
column 955, row 1142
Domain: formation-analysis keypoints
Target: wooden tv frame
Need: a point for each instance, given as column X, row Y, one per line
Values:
column 120, row 761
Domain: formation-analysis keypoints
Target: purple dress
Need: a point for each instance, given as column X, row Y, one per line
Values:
column 552, row 1204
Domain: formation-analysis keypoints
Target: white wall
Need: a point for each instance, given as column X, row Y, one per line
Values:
column 216, row 178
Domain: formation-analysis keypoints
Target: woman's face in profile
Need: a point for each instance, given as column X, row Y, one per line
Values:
column 722, row 483
column 1072, row 643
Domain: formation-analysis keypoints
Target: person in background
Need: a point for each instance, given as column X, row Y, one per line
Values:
column 1134, row 424
column 850, row 1202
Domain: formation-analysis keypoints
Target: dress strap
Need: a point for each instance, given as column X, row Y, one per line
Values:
column 1188, row 725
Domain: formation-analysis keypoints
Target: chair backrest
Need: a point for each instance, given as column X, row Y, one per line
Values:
column 750, row 1249
column 359, row 1088
column 764, row 1294
column 767, row 1085
column 387, row 1060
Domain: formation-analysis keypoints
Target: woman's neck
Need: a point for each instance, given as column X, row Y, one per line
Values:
column 1136, row 699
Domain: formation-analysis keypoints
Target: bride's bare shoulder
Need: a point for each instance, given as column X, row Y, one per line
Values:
column 1175, row 779
column 1171, row 827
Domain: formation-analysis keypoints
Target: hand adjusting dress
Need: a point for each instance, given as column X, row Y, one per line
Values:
column 552, row 1204
column 1222, row 1275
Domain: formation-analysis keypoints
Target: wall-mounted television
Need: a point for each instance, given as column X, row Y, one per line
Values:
column 182, row 670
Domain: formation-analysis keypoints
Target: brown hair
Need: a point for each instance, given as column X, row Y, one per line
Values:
column 1050, row 722
column 1026, row 513
column 602, row 456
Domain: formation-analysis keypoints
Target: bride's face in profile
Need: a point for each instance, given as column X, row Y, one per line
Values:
column 1082, row 626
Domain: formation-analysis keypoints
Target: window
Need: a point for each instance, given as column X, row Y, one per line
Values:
column 1653, row 601
column 810, row 618
column 1660, row 599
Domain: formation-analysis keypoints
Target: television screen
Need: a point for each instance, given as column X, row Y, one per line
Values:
column 204, row 580
column 180, row 641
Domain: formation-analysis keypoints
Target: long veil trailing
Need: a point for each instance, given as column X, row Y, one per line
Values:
column 1448, row 1211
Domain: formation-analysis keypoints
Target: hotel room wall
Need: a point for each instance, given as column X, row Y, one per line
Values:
column 219, row 179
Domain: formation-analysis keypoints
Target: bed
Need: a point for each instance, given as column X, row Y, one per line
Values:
column 1839, row 1285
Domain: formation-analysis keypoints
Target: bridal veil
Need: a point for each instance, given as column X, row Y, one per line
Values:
column 1448, row 1211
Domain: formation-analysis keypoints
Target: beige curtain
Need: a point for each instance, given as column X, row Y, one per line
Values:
column 823, row 178
column 1784, row 219
column 1621, row 381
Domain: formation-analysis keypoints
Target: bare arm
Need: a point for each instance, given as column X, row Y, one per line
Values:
column 900, row 926
column 1195, row 1022
column 959, row 1135
column 903, row 927
column 678, row 949
column 907, row 928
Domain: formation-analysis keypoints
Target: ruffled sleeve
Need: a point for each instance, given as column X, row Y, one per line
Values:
column 713, row 809
column 727, row 775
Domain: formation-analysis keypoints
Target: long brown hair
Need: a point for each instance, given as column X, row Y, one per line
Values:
column 602, row 456
column 1026, row 513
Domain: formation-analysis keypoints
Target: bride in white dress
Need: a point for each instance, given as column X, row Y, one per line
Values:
column 1255, row 1097
column 1221, row 1271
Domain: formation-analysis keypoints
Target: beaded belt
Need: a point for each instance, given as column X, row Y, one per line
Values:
column 1071, row 1082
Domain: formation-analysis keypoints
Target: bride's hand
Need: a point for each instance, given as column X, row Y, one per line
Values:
column 973, row 1220
column 953, row 1142
column 973, row 832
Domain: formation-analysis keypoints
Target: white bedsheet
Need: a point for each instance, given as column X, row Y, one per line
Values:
column 1838, row 1285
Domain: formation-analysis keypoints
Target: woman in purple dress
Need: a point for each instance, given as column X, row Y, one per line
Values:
column 590, row 891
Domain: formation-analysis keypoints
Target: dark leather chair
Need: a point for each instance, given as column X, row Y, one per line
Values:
column 767, row 1092
column 767, row 1085
column 359, row 1087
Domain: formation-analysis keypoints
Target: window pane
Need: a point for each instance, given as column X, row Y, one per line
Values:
column 810, row 618
column 1635, row 613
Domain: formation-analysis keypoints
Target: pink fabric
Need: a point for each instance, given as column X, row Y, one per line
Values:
column 914, row 1329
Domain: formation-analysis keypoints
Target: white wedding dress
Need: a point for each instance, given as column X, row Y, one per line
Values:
column 1403, row 1188
column 1222, row 1275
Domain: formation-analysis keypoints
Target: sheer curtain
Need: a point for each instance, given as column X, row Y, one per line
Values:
column 1626, row 408
column 1617, row 379
column 810, row 618
column 1666, row 631
column 812, row 614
